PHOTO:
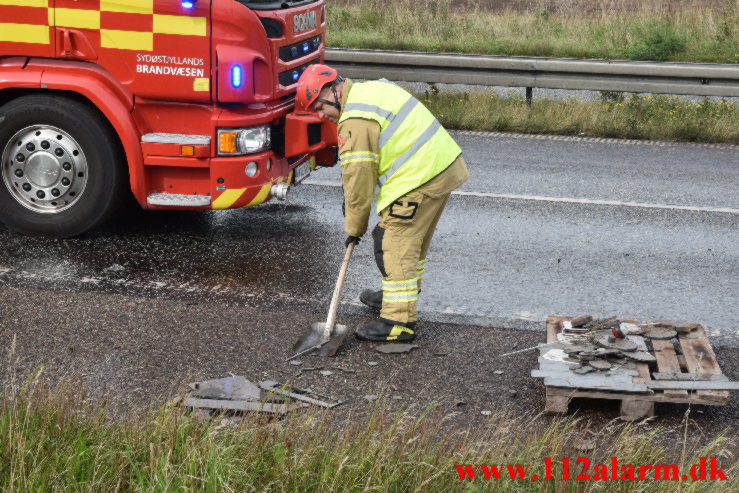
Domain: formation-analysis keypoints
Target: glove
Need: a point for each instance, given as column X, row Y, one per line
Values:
column 351, row 239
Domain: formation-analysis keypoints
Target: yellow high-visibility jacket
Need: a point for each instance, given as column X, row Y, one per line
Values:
column 387, row 138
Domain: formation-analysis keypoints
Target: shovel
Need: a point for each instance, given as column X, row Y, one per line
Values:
column 323, row 337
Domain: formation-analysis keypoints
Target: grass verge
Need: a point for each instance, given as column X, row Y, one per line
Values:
column 617, row 115
column 55, row 440
column 653, row 30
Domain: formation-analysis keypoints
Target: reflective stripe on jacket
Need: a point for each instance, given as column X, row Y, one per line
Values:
column 414, row 147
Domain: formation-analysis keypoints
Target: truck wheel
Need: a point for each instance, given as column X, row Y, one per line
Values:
column 62, row 167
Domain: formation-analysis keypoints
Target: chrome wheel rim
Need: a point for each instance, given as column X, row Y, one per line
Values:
column 44, row 169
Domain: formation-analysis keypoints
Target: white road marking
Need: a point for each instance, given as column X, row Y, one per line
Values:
column 597, row 140
column 569, row 200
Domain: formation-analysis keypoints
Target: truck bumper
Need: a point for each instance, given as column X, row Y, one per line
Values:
column 221, row 183
column 232, row 188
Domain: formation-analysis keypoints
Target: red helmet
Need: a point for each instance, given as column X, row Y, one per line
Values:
column 310, row 84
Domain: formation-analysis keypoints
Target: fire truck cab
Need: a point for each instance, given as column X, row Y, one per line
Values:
column 185, row 104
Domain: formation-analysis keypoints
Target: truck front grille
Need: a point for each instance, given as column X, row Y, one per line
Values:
column 272, row 27
column 290, row 77
column 297, row 50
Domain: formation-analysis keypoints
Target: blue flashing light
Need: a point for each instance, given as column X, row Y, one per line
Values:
column 295, row 75
column 236, row 76
column 306, row 47
column 188, row 4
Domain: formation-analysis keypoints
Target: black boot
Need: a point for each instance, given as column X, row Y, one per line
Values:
column 372, row 299
column 381, row 331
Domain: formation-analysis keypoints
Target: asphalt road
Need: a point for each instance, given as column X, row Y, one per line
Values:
column 544, row 226
column 572, row 226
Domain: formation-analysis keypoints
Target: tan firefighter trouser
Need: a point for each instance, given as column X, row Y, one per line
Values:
column 402, row 239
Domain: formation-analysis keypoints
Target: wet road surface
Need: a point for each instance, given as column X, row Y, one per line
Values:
column 544, row 226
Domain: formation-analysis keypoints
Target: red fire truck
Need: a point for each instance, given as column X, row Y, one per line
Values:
column 186, row 104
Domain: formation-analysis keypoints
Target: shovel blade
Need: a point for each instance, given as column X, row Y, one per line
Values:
column 314, row 339
column 338, row 335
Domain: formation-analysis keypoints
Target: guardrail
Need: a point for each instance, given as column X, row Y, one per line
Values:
column 696, row 79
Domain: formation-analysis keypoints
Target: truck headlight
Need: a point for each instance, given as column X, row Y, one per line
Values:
column 236, row 141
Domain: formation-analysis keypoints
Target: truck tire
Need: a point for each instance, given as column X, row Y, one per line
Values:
column 62, row 167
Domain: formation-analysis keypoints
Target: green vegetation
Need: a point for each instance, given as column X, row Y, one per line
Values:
column 692, row 31
column 655, row 30
column 617, row 115
column 56, row 440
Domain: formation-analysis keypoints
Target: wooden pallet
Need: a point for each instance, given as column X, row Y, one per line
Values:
column 697, row 358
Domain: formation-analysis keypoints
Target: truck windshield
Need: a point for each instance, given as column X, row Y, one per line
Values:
column 274, row 4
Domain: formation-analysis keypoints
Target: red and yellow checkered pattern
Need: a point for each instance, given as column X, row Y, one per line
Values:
column 121, row 24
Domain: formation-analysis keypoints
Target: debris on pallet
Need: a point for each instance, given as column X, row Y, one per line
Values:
column 636, row 363
column 237, row 394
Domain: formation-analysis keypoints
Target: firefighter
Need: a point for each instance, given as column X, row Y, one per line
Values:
column 389, row 139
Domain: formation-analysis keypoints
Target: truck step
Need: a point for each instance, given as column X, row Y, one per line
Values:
column 178, row 200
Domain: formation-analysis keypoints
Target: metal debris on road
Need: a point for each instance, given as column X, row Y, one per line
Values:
column 233, row 387
column 395, row 348
column 234, row 393
column 237, row 394
column 209, row 405
column 305, row 395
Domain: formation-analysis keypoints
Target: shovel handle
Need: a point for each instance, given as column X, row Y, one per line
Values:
column 331, row 319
